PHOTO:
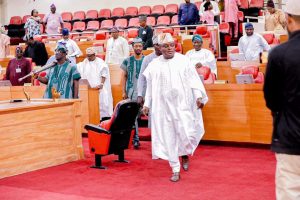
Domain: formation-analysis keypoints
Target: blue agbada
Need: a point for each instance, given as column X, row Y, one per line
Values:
column 188, row 14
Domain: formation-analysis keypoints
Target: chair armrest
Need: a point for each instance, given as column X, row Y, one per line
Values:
column 96, row 129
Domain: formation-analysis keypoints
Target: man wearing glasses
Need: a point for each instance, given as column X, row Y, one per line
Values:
column 64, row 76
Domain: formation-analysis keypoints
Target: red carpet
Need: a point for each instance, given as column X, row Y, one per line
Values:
column 216, row 172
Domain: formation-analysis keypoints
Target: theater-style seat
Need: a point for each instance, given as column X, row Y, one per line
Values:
column 254, row 71
column 67, row 16
column 202, row 30
column 151, row 21
column 163, row 21
column 256, row 4
column 131, row 12
column 15, row 20
column 115, row 135
column 121, row 23
column 271, row 39
column 107, row 24
column 93, row 26
column 157, row 10
column 168, row 30
column 24, row 19
column 224, row 28
column 104, row 14
column 144, row 10
column 208, row 76
column 42, row 28
column 171, row 9
column 134, row 22
column 79, row 26
column 178, row 46
column 117, row 13
column 132, row 33
column 174, row 20
column 79, row 16
column 100, row 35
column 91, row 15
column 68, row 25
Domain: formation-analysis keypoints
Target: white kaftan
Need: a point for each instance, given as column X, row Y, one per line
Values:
column 252, row 46
column 173, row 86
column 203, row 56
column 116, row 50
column 73, row 49
column 93, row 71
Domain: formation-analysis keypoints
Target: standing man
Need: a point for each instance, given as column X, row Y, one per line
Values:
column 73, row 49
column 252, row 44
column 37, row 51
column 142, row 84
column 64, row 77
column 96, row 71
column 4, row 43
column 17, row 68
column 188, row 14
column 131, row 67
column 175, row 94
column 282, row 94
column 215, row 9
column 275, row 18
column 231, row 16
column 53, row 21
column 117, row 48
column 145, row 32
column 201, row 57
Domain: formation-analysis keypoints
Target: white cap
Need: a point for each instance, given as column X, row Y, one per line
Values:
column 293, row 7
column 165, row 38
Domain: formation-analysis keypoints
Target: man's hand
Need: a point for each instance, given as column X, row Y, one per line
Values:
column 198, row 65
column 124, row 96
column 140, row 100
column 200, row 105
column 145, row 110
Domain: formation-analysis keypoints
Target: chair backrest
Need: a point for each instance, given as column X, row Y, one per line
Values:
column 158, row 9
column 144, row 10
column 132, row 33
column 66, row 16
column 163, row 20
column 93, row 25
column 42, row 28
column 68, row 25
column 79, row 15
column 131, row 11
column 41, row 16
column 172, row 8
column 224, row 27
column 134, row 22
column 91, row 14
column 256, row 4
column 240, row 16
column 122, row 122
column 151, row 21
column 79, row 26
column 168, row 30
column 250, row 70
column 107, row 24
column 204, row 71
column 100, row 35
column 15, row 20
column 269, row 37
column 118, row 12
column 121, row 23
column 174, row 20
column 25, row 17
column 104, row 13
column 201, row 30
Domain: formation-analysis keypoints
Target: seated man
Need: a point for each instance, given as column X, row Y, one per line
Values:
column 201, row 57
column 63, row 76
column 37, row 51
column 252, row 44
column 96, row 71
column 73, row 49
column 17, row 68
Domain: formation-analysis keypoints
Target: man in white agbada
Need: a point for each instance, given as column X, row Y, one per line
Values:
column 73, row 49
column 252, row 44
column 96, row 71
column 174, row 93
column 117, row 48
column 201, row 57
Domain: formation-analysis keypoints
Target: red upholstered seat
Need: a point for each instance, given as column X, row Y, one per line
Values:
column 224, row 27
column 100, row 35
column 134, row 22
column 66, row 16
column 93, row 26
column 41, row 15
column 121, row 23
column 79, row 16
column 144, row 10
column 42, row 28
column 132, row 33
column 271, row 39
column 244, row 4
column 107, row 24
column 117, row 12
column 151, row 21
column 79, row 26
column 158, row 10
column 235, row 50
column 202, row 30
column 254, row 71
column 25, row 17
column 256, row 4
column 68, row 25
column 102, row 56
column 131, row 12
column 208, row 76
column 15, row 20
column 104, row 14
column 91, row 15
column 37, row 82
column 168, row 30
column 163, row 21
column 171, row 9
column 174, row 20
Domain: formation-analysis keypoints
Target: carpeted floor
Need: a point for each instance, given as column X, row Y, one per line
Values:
column 216, row 173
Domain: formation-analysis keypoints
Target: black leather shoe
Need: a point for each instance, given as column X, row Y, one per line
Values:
column 175, row 177
column 136, row 144
column 185, row 163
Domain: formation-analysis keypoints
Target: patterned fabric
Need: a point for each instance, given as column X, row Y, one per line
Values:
column 61, row 77
column 132, row 67
column 33, row 27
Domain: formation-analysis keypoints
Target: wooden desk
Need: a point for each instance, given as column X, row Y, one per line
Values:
column 237, row 113
column 39, row 134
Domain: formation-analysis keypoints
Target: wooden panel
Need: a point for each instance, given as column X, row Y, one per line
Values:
column 36, row 92
column 94, row 107
column 41, row 139
column 116, row 75
column 84, row 96
column 5, row 93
